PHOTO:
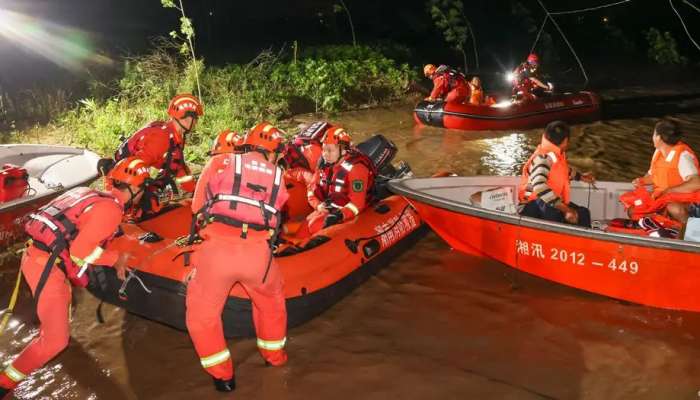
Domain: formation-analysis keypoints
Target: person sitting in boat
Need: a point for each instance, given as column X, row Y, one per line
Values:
column 527, row 84
column 477, row 96
column 303, row 152
column 449, row 85
column 341, row 185
column 673, row 170
column 544, row 188
column 67, row 236
column 161, row 144
column 227, row 141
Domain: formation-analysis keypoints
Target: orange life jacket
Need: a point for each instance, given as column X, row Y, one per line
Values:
column 54, row 226
column 665, row 174
column 245, row 194
column 558, row 179
column 477, row 95
column 333, row 185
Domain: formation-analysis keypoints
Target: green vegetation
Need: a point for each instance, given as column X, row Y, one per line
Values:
column 663, row 48
column 448, row 15
column 270, row 87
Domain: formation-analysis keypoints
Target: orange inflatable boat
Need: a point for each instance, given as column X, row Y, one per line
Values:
column 318, row 271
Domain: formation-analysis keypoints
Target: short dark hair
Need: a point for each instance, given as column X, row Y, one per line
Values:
column 557, row 131
column 668, row 131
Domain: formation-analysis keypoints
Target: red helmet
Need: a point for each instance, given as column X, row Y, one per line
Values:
column 533, row 59
column 185, row 105
column 337, row 135
column 131, row 170
column 227, row 142
column 264, row 136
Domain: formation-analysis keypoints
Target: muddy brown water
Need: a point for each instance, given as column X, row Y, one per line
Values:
column 433, row 324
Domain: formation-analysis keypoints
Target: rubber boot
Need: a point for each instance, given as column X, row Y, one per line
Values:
column 222, row 385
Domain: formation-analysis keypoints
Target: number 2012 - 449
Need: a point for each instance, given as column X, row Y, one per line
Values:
column 572, row 257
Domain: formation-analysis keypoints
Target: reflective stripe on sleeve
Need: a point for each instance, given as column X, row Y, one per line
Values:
column 215, row 359
column 353, row 208
column 272, row 344
column 14, row 374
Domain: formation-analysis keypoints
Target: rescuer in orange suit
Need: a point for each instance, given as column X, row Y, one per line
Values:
column 527, row 84
column 66, row 236
column 340, row 187
column 303, row 152
column 449, row 84
column 161, row 145
column 237, row 204
column 227, row 142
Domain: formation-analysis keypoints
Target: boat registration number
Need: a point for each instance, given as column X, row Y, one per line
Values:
column 553, row 104
column 536, row 250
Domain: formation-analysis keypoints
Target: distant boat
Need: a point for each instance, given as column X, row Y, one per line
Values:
column 569, row 107
column 50, row 171
column 652, row 271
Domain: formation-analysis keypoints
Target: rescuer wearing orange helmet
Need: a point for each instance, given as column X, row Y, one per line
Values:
column 526, row 82
column 448, row 84
column 66, row 236
column 341, row 185
column 227, row 141
column 237, row 206
column 161, row 145
column 303, row 152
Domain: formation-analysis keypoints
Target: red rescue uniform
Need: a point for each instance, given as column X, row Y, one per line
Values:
column 233, row 189
column 344, row 185
column 452, row 87
column 160, row 146
column 303, row 164
column 95, row 224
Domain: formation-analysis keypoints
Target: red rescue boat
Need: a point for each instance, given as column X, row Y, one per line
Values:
column 31, row 175
column 652, row 271
column 505, row 115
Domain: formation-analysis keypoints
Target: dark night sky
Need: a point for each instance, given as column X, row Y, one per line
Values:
column 229, row 30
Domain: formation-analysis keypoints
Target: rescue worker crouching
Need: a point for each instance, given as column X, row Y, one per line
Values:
column 673, row 169
column 341, row 185
column 303, row 153
column 227, row 141
column 527, row 84
column 161, row 145
column 68, row 235
column 449, row 85
column 545, row 185
column 237, row 204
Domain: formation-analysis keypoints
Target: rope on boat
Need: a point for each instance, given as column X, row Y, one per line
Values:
column 683, row 23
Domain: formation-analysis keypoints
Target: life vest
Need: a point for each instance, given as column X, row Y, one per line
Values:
column 642, row 203
column 333, row 185
column 245, row 195
column 172, row 159
column 304, row 156
column 477, row 95
column 664, row 170
column 558, row 179
column 14, row 182
column 454, row 78
column 53, row 227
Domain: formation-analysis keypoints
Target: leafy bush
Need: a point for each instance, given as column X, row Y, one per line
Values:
column 236, row 96
column 663, row 48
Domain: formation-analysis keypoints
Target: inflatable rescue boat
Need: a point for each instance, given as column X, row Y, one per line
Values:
column 505, row 115
column 317, row 271
column 653, row 271
column 31, row 175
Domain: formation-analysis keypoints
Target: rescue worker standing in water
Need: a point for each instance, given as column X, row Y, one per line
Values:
column 66, row 236
column 545, row 186
column 340, row 188
column 526, row 82
column 674, row 168
column 237, row 202
column 449, row 85
column 161, row 145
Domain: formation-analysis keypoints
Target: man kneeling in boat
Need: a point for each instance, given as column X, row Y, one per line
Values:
column 340, row 188
column 237, row 206
column 449, row 85
column 66, row 237
column 544, row 189
column 673, row 172
column 527, row 84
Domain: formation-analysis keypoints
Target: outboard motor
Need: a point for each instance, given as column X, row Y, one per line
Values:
column 382, row 151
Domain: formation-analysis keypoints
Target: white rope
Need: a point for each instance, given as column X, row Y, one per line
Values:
column 580, row 64
column 537, row 39
column 692, row 5
column 683, row 23
column 591, row 8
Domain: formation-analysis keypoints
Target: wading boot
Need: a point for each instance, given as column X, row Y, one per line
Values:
column 222, row 385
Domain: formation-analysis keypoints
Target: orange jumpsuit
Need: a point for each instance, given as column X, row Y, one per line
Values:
column 225, row 258
column 348, row 194
column 455, row 92
column 95, row 225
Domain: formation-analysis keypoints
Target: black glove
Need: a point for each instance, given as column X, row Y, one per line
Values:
column 334, row 217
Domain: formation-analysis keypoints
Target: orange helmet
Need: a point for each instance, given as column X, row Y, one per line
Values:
column 185, row 105
column 227, row 142
column 429, row 69
column 131, row 170
column 533, row 59
column 264, row 136
column 337, row 135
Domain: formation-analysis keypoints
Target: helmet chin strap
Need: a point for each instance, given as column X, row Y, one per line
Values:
column 185, row 130
column 130, row 203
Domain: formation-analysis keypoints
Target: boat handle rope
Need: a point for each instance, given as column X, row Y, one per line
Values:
column 130, row 276
column 352, row 243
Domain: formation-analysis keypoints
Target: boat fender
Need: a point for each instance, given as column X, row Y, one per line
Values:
column 692, row 230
